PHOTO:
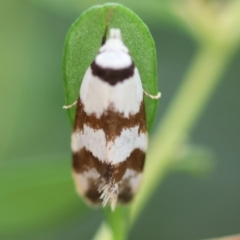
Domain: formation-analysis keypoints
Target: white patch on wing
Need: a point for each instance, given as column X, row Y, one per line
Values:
column 123, row 145
column 76, row 141
column 94, row 141
column 97, row 95
column 134, row 179
column 114, row 151
column 83, row 179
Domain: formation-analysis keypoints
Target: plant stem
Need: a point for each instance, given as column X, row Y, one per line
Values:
column 104, row 232
column 116, row 225
column 184, row 111
column 118, row 221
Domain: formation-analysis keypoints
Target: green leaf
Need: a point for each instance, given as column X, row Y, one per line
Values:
column 84, row 40
column 36, row 193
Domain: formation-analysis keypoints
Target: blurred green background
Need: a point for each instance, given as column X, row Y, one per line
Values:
column 37, row 196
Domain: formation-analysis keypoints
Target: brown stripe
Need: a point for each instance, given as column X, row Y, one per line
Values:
column 112, row 76
column 111, row 122
column 92, row 194
column 126, row 194
column 84, row 161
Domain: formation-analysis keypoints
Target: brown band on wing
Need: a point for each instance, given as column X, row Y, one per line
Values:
column 125, row 195
column 112, row 76
column 136, row 163
column 111, row 122
column 84, row 161
column 93, row 195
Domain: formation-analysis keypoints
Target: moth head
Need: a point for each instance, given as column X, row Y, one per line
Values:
column 114, row 42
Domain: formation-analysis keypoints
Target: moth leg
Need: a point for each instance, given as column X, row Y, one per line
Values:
column 152, row 96
column 70, row 106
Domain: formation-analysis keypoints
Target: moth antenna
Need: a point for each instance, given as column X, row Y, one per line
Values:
column 104, row 38
column 70, row 106
column 104, row 35
column 152, row 96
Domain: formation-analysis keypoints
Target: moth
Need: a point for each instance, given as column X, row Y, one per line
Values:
column 109, row 138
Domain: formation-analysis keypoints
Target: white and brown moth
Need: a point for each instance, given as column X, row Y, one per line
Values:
column 110, row 138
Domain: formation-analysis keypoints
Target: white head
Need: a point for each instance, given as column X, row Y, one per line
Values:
column 114, row 42
column 114, row 54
